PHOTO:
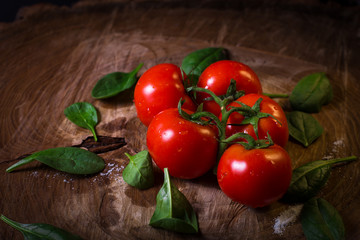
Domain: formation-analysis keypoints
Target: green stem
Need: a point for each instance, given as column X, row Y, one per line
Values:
column 19, row 163
column 216, row 98
column 276, row 95
column 8, row 221
column 19, row 227
column 94, row 133
column 222, row 133
column 245, row 136
column 221, row 149
column 340, row 160
column 11, row 223
column 137, row 69
column 206, row 115
column 242, row 109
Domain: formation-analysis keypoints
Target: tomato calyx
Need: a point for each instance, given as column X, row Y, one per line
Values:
column 222, row 100
column 231, row 94
column 252, row 115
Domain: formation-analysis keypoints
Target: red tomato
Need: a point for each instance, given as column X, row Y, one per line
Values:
column 278, row 130
column 217, row 78
column 160, row 88
column 256, row 177
column 187, row 149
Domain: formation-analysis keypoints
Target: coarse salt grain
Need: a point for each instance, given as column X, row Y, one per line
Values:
column 286, row 218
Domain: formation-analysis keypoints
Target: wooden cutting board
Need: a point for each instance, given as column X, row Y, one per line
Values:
column 54, row 56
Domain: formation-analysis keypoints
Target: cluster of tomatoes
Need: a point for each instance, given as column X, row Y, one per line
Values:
column 254, row 174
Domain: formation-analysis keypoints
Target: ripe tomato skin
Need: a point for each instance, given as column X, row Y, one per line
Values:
column 217, row 77
column 187, row 149
column 256, row 177
column 159, row 88
column 278, row 130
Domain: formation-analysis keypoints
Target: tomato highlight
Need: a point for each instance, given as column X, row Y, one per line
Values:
column 187, row 149
column 159, row 88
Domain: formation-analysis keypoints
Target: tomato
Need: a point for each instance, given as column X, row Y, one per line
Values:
column 278, row 129
column 217, row 77
column 187, row 149
column 159, row 88
column 256, row 177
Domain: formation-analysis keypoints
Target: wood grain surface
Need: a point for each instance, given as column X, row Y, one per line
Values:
column 52, row 56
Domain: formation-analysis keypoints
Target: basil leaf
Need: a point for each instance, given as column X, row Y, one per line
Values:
column 303, row 127
column 308, row 179
column 173, row 211
column 311, row 92
column 196, row 62
column 38, row 231
column 84, row 115
column 321, row 221
column 66, row 159
column 114, row 83
column 139, row 172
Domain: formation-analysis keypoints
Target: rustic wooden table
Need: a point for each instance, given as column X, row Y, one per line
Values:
column 52, row 57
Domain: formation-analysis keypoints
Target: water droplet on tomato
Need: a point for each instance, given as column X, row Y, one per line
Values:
column 222, row 175
column 183, row 132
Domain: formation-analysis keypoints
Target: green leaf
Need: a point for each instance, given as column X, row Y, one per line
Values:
column 173, row 211
column 303, row 127
column 321, row 221
column 196, row 62
column 276, row 95
column 114, row 83
column 67, row 159
column 139, row 172
column 311, row 93
column 84, row 115
column 38, row 231
column 307, row 180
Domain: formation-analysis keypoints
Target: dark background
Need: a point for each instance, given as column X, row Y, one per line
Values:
column 9, row 8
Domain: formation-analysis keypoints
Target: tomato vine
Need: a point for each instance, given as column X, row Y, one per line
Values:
column 223, row 101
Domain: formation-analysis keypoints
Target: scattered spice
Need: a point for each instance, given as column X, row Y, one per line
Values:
column 286, row 218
